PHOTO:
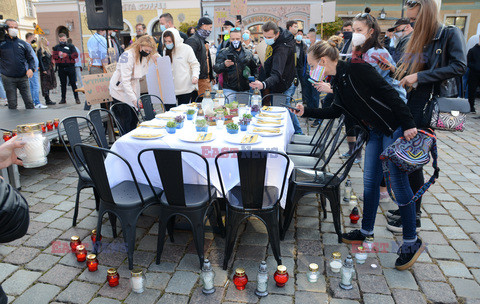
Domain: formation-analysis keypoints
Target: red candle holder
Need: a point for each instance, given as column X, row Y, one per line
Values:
column 49, row 125
column 14, row 132
column 43, row 127
column 281, row 276
column 7, row 136
column 74, row 242
column 354, row 216
column 240, row 279
column 56, row 121
column 92, row 262
column 113, row 277
column 95, row 237
column 81, row 253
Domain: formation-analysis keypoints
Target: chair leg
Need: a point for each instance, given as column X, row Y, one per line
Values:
column 129, row 236
column 333, row 195
column 77, row 203
column 97, row 198
column 98, row 243
column 271, row 218
column 170, row 228
column 324, row 205
column 297, row 195
column 162, row 228
column 198, row 230
column 233, row 221
column 215, row 218
column 113, row 221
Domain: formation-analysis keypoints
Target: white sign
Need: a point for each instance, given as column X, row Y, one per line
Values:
column 160, row 80
column 322, row 12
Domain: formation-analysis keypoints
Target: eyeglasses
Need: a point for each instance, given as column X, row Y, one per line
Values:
column 411, row 3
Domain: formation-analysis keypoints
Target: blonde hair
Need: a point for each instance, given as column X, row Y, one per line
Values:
column 42, row 45
column 324, row 49
column 336, row 39
column 426, row 26
column 145, row 40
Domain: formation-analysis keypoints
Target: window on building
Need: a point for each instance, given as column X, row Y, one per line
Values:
column 458, row 21
column 29, row 8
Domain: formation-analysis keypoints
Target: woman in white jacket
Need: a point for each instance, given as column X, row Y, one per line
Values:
column 185, row 66
column 131, row 67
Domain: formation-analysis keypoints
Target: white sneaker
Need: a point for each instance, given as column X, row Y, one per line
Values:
column 40, row 106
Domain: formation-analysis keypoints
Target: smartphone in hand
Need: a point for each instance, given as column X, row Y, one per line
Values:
column 290, row 107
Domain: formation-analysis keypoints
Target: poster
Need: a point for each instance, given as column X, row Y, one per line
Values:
column 219, row 18
column 322, row 15
column 96, row 88
column 160, row 80
column 238, row 7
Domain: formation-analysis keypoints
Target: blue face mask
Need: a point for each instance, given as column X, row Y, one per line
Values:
column 245, row 36
column 169, row 46
column 299, row 37
column 269, row 41
column 162, row 27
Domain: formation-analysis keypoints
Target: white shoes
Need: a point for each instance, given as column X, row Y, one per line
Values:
column 40, row 106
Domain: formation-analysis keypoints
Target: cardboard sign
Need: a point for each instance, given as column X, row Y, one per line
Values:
column 160, row 80
column 322, row 12
column 96, row 88
column 111, row 68
column 238, row 7
column 219, row 18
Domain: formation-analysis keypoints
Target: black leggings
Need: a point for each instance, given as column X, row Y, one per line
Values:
column 184, row 98
column 417, row 180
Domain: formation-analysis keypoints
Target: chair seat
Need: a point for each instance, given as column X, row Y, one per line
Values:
column 305, row 150
column 314, row 177
column 302, row 139
column 195, row 195
column 125, row 194
column 270, row 197
column 303, row 161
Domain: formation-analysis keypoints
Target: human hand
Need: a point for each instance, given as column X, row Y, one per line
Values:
column 256, row 85
column 61, row 54
column 409, row 80
column 194, row 80
column 7, row 152
column 44, row 72
column 410, row 134
column 29, row 73
column 229, row 63
column 323, row 87
column 301, row 109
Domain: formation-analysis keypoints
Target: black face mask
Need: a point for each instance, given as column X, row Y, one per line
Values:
column 347, row 35
column 63, row 42
column 34, row 41
column 144, row 54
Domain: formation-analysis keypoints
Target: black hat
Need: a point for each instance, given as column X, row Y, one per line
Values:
column 204, row 20
column 228, row 23
column 401, row 21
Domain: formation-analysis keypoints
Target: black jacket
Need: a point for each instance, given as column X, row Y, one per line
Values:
column 280, row 66
column 14, row 218
column 67, row 61
column 160, row 44
column 198, row 45
column 233, row 77
column 44, row 60
column 301, row 64
column 400, row 48
column 473, row 59
column 365, row 95
column 15, row 57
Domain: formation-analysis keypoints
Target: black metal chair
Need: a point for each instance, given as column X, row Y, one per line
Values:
column 126, row 115
column 240, row 97
column 70, row 127
column 152, row 105
column 191, row 201
column 307, row 139
column 126, row 200
column 95, row 117
column 277, row 99
column 316, row 150
column 253, row 198
column 323, row 182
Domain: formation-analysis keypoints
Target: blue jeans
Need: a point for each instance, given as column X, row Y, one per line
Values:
column 35, row 88
column 296, row 123
column 3, row 94
column 372, row 177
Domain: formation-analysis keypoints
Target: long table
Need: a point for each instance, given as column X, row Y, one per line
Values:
column 194, row 169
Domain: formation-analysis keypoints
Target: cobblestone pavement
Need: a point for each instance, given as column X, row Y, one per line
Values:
column 34, row 270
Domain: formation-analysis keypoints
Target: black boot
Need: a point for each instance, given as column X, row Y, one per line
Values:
column 62, row 101
column 48, row 101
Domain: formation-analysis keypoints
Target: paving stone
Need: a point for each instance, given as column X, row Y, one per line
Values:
column 148, row 296
column 470, row 259
column 35, row 227
column 21, row 255
column 438, row 292
column 189, row 262
column 308, row 222
column 343, row 301
column 198, row 297
column 49, row 216
column 43, row 262
column 119, row 292
column 182, row 282
column 469, row 225
column 400, row 279
column 62, row 223
column 98, row 277
column 78, row 292
column 307, row 297
column 434, row 209
column 60, row 275
column 465, row 288
column 20, row 281
column 101, row 300
column 148, row 243
column 143, row 258
column 255, row 239
column 303, row 210
column 464, row 246
column 432, row 237
column 6, row 270
column 454, row 269
column 307, row 247
column 461, row 215
column 338, row 292
column 303, row 262
column 169, row 298
column 370, row 298
column 427, row 272
column 308, row 234
column 162, row 267
column 71, row 260
column 454, row 233
column 303, row 284
column 172, row 252
column 373, row 284
column 38, row 294
column 408, row 296
column 43, row 238
column 443, row 220
column 157, row 280
column 246, row 295
column 275, row 299
column 442, row 252
column 256, row 253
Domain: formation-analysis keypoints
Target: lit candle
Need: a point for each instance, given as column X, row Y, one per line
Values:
column 92, row 262
column 49, row 125
column 112, row 277
column 81, row 253
column 56, row 121
column 137, row 281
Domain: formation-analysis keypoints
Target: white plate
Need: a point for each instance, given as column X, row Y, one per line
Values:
column 278, row 116
column 154, row 123
column 273, row 109
column 264, row 131
column 192, row 137
column 166, row 116
column 267, row 123
column 238, row 139
column 147, row 133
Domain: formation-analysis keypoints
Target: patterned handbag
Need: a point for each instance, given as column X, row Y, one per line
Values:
column 410, row 156
column 448, row 114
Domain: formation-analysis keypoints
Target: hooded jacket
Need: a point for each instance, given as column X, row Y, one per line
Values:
column 198, row 45
column 280, row 66
column 185, row 65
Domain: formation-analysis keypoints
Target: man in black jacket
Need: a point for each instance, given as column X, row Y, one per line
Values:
column 16, row 66
column 202, row 52
column 64, row 55
column 473, row 63
column 402, row 31
column 166, row 22
column 236, row 69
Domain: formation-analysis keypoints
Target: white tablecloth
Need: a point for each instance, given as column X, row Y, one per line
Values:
column 193, row 167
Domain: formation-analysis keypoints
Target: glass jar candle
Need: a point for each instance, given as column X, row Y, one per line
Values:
column 137, row 281
column 43, row 127
column 336, row 262
column 368, row 244
column 56, row 121
column 34, row 152
column 347, row 274
column 113, row 277
column 353, row 201
column 208, row 277
column 281, row 276
column 7, row 136
column 354, row 216
column 92, row 262
column 95, row 236
column 361, row 255
column 74, row 242
column 240, row 279
column 81, row 253
column 347, row 192
column 262, row 280
column 14, row 132
column 49, row 125
column 312, row 274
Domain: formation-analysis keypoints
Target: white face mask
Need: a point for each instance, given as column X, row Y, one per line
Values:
column 358, row 39
column 13, row 32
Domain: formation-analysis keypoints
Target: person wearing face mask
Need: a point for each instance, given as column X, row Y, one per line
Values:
column 402, row 31
column 166, row 22
column 48, row 80
column 365, row 95
column 185, row 66
column 65, row 55
column 34, row 81
column 347, row 31
column 236, row 71
column 225, row 42
column 302, row 70
column 247, row 41
column 125, row 82
column 202, row 52
column 17, row 65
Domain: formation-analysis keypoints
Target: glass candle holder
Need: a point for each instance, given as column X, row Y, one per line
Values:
column 347, row 274
column 92, row 262
column 14, row 132
column 336, row 262
column 56, row 121
column 113, row 278
column 95, row 237
column 281, row 276
column 354, row 216
column 361, row 255
column 368, row 244
column 208, row 277
column 262, row 280
column 347, row 192
column 74, row 242
column 34, row 152
column 240, row 279
column 43, row 127
column 7, row 136
column 49, row 125
column 312, row 274
column 81, row 253
column 137, row 281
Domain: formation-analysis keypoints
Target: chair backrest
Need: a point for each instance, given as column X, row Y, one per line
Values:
column 152, row 105
column 240, row 97
column 328, row 137
column 277, row 99
column 170, row 168
column 70, row 128
column 252, row 167
column 126, row 115
column 96, row 118
column 93, row 159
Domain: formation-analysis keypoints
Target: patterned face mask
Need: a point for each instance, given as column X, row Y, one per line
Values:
column 318, row 73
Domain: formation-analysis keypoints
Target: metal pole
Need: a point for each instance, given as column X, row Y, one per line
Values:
column 321, row 26
column 403, row 7
column 81, row 33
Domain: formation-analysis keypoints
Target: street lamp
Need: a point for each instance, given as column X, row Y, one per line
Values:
column 383, row 14
column 206, row 15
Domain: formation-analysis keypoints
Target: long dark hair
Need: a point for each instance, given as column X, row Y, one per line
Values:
column 167, row 51
column 374, row 40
